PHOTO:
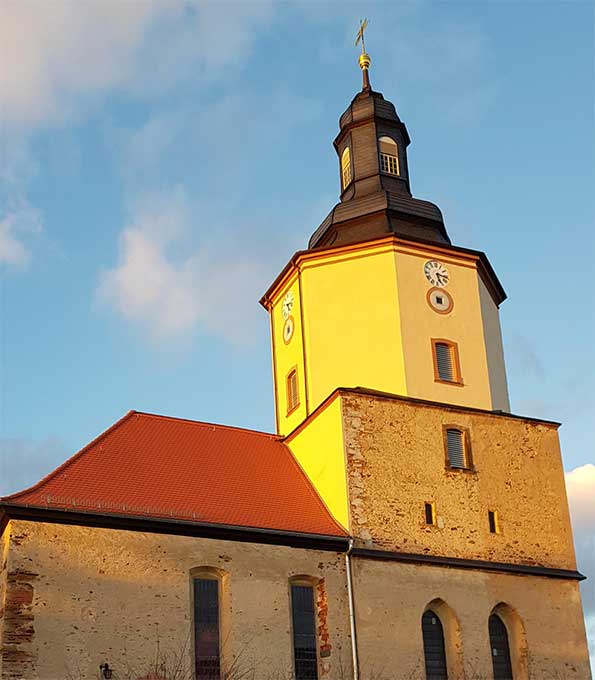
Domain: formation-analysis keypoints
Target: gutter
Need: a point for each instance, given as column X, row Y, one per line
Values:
column 351, row 600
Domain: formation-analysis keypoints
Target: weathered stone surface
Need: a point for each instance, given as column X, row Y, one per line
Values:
column 83, row 596
column 396, row 463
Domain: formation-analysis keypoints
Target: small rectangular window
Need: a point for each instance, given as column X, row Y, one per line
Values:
column 430, row 513
column 457, row 448
column 493, row 522
column 446, row 362
column 304, row 632
column 207, row 653
column 293, row 395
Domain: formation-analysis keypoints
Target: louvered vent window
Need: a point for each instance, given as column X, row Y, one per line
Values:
column 293, row 396
column 455, row 445
column 304, row 632
column 445, row 364
column 207, row 653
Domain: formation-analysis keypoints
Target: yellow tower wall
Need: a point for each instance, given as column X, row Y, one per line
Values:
column 463, row 325
column 362, row 319
column 351, row 322
column 492, row 334
column 287, row 356
column 318, row 447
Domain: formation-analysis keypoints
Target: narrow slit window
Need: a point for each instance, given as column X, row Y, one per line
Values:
column 446, row 362
column 293, row 395
column 493, row 522
column 207, row 651
column 389, row 156
column 456, row 447
column 430, row 513
column 304, row 632
column 346, row 167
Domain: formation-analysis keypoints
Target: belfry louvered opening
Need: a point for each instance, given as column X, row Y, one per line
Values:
column 293, row 395
column 446, row 361
column 456, row 448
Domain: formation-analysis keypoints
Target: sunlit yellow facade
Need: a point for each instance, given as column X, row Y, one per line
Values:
column 319, row 448
column 361, row 318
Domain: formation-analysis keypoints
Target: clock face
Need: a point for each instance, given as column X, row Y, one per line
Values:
column 288, row 329
column 287, row 305
column 436, row 273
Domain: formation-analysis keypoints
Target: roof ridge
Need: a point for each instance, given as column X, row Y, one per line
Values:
column 208, row 424
column 72, row 459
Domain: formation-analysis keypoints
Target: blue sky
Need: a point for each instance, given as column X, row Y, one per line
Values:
column 161, row 161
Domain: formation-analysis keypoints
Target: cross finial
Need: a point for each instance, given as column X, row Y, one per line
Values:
column 363, row 23
column 364, row 58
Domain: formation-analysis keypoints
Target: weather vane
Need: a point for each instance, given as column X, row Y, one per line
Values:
column 364, row 57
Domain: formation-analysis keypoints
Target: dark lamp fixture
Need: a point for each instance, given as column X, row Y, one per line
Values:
column 106, row 671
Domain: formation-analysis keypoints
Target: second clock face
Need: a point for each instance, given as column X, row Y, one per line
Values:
column 436, row 273
column 288, row 329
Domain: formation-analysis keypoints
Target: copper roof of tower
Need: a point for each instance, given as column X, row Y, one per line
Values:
column 377, row 200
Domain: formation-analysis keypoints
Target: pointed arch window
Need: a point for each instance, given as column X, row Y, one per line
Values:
column 346, row 167
column 501, row 662
column 389, row 156
column 434, row 651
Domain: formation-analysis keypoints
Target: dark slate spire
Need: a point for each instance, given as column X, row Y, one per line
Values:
column 375, row 196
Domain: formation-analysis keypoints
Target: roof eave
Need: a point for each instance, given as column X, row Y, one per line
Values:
column 161, row 525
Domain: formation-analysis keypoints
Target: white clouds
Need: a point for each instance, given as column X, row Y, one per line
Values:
column 57, row 55
column 53, row 52
column 168, row 287
column 16, row 227
column 580, row 485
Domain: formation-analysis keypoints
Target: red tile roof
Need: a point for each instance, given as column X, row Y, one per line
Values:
column 155, row 466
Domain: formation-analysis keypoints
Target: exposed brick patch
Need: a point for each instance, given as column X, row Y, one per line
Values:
column 324, row 642
column 18, row 631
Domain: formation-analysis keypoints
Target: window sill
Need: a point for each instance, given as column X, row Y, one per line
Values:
column 291, row 410
column 453, row 383
column 469, row 471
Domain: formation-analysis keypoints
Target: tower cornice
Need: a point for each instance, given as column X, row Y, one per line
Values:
column 485, row 269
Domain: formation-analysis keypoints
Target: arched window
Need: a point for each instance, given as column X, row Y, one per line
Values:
column 207, row 644
column 292, row 388
column 304, row 625
column 434, row 652
column 210, row 603
column 346, row 167
column 389, row 156
column 500, row 649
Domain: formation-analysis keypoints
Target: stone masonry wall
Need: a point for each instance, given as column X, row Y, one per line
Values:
column 549, row 642
column 396, row 462
column 82, row 596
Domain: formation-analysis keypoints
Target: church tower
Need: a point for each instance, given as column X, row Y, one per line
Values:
column 381, row 298
column 390, row 391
